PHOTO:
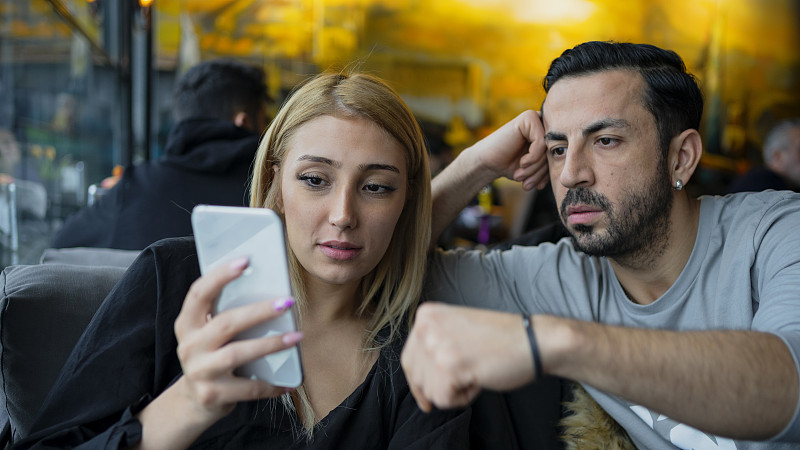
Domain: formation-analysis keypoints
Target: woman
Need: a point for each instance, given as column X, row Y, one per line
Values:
column 345, row 165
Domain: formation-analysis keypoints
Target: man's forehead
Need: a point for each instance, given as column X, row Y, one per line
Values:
column 587, row 98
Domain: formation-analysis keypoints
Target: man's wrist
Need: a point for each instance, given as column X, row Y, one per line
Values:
column 476, row 168
column 557, row 339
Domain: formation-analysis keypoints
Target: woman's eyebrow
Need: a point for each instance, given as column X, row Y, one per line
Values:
column 337, row 164
column 389, row 167
column 320, row 159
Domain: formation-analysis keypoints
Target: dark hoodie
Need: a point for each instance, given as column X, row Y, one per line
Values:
column 206, row 161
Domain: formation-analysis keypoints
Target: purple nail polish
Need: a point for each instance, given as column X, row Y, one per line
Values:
column 283, row 303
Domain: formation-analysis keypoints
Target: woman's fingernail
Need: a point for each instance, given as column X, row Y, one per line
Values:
column 283, row 303
column 239, row 263
column 292, row 338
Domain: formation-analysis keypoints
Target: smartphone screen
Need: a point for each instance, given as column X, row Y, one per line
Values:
column 225, row 233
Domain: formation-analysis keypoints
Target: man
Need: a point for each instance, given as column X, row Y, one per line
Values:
column 781, row 168
column 680, row 316
column 220, row 110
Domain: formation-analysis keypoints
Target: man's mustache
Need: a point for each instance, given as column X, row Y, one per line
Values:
column 583, row 196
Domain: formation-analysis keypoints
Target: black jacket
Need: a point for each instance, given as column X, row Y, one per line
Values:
column 127, row 356
column 206, row 161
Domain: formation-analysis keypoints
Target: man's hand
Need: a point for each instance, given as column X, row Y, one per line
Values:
column 517, row 151
column 453, row 352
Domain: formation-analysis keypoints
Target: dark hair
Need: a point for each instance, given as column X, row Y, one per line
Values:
column 672, row 95
column 219, row 88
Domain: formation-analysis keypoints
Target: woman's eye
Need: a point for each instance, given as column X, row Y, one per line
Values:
column 311, row 180
column 378, row 188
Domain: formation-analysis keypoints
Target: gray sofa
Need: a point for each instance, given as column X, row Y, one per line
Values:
column 43, row 311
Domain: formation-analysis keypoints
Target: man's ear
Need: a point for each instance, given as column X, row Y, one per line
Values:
column 242, row 120
column 684, row 156
column 276, row 178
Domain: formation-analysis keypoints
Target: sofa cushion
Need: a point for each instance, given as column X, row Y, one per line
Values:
column 43, row 311
column 87, row 256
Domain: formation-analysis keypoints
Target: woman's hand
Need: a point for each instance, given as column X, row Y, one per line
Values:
column 206, row 350
column 208, row 389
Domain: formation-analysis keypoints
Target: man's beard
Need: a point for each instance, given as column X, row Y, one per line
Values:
column 637, row 228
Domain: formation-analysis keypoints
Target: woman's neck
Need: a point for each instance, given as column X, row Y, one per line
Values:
column 326, row 303
column 334, row 359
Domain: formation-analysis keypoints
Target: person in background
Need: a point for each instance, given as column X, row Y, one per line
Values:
column 219, row 107
column 10, row 155
column 345, row 166
column 12, row 165
column 31, row 194
column 679, row 315
column 781, row 169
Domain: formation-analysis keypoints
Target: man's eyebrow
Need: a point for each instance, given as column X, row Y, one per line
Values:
column 554, row 136
column 603, row 124
column 320, row 159
column 590, row 129
column 389, row 167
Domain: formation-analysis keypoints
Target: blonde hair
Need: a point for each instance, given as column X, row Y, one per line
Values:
column 392, row 289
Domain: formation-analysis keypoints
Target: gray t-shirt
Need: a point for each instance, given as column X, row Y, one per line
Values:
column 744, row 273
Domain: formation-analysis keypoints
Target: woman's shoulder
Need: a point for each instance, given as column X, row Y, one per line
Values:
column 174, row 256
column 177, row 248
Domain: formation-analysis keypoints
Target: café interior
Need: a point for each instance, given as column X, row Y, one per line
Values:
column 86, row 83
column 85, row 94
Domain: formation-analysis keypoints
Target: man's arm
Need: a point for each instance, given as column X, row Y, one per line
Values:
column 515, row 150
column 739, row 384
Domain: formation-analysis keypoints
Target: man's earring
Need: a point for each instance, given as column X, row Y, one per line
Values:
column 679, row 185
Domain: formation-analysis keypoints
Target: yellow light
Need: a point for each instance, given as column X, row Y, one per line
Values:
column 145, row 3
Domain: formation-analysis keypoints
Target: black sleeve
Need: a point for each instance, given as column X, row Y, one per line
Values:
column 125, row 357
column 438, row 429
column 414, row 429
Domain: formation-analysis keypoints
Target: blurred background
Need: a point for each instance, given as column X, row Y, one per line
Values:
column 85, row 84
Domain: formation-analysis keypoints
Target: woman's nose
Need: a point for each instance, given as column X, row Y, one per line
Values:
column 342, row 209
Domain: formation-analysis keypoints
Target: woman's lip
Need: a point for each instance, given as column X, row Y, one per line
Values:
column 341, row 245
column 340, row 251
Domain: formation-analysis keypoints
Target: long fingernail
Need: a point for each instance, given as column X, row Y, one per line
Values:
column 292, row 338
column 283, row 303
column 239, row 263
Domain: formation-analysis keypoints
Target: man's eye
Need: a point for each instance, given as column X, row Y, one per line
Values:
column 558, row 151
column 606, row 141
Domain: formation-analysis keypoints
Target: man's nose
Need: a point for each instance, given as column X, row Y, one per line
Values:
column 577, row 169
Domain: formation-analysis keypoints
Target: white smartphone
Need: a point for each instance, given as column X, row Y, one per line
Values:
column 224, row 233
